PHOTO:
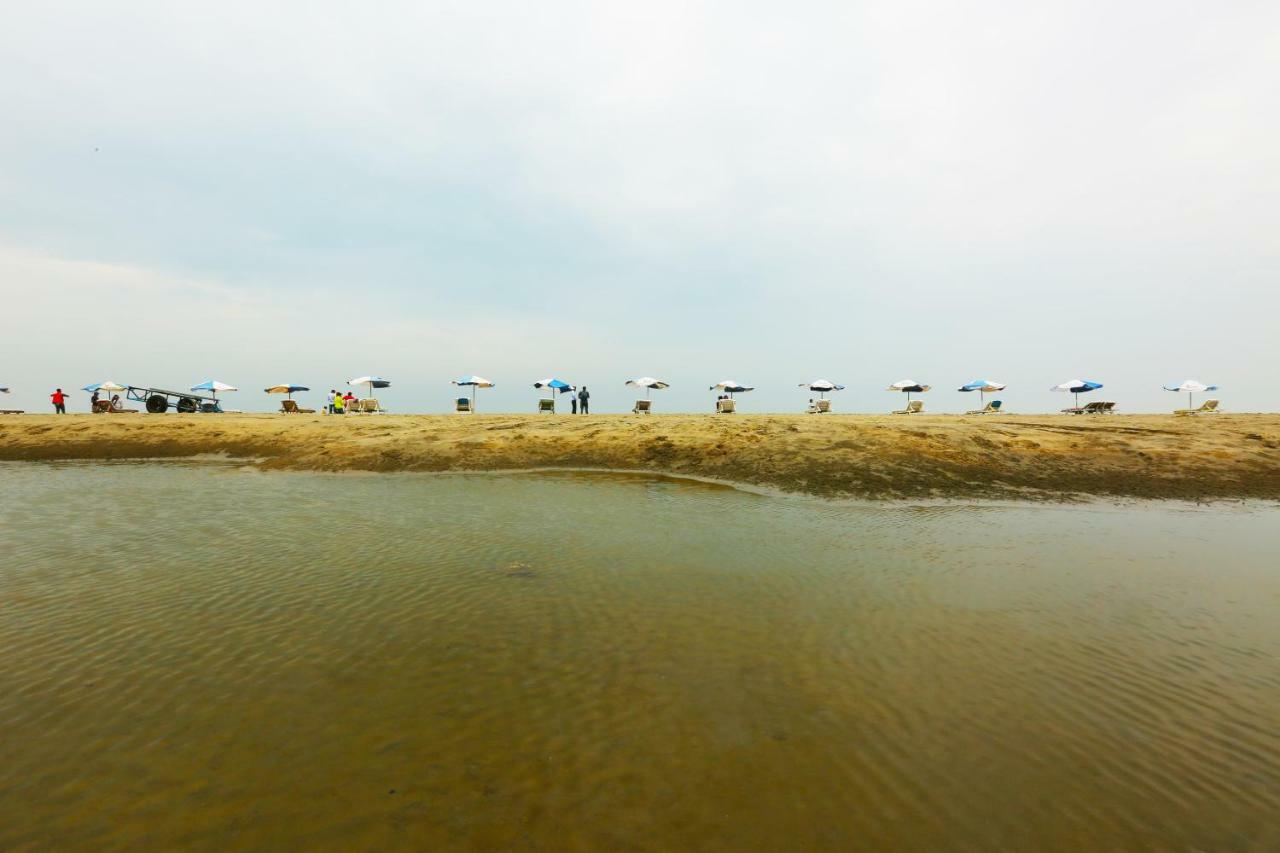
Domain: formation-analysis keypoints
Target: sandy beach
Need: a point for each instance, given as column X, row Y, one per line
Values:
column 861, row 456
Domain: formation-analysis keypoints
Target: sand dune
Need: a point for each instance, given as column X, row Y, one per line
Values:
column 868, row 456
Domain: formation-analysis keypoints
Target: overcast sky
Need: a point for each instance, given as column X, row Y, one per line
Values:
column 768, row 192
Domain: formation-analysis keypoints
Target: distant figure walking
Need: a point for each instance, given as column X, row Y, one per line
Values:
column 59, row 402
column 583, row 396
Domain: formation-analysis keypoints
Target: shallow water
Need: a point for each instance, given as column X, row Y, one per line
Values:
column 203, row 656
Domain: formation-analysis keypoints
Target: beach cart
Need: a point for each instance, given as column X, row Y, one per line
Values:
column 158, row 400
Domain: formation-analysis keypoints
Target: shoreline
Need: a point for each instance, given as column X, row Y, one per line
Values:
column 867, row 457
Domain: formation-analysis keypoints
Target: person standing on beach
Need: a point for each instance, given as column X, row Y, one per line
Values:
column 573, row 404
column 338, row 404
column 93, row 402
column 59, row 402
column 583, row 396
column 328, row 400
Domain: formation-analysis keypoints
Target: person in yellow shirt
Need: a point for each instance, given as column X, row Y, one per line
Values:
column 338, row 405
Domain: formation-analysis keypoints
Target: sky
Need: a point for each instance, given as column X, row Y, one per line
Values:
column 771, row 193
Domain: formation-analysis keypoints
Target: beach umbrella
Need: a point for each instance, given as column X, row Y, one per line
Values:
column 730, row 387
column 555, row 386
column 1190, row 387
column 648, row 383
column 1076, row 387
column 475, row 382
column 108, row 386
column 370, row 382
column 213, row 386
column 286, row 388
column 909, row 387
column 4, row 390
column 983, row 387
column 822, row 386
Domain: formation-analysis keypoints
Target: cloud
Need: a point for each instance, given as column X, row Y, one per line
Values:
column 687, row 184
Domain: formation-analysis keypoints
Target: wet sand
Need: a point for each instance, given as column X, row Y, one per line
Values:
column 861, row 456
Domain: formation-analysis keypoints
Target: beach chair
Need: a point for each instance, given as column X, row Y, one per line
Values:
column 101, row 407
column 546, row 405
column 643, row 407
column 464, row 405
column 915, row 407
column 990, row 409
column 1094, row 408
column 370, row 406
column 818, row 407
column 11, row 411
column 291, row 407
column 725, row 407
column 1108, row 409
column 1208, row 407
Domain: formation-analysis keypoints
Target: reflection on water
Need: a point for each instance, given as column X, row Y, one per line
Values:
column 205, row 656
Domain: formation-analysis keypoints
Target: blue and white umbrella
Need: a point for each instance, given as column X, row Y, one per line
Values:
column 983, row 387
column 108, row 386
column 1076, row 387
column 4, row 389
column 369, row 383
column 648, row 383
column 1190, row 387
column 731, row 387
column 822, row 386
column 909, row 387
column 474, row 382
column 213, row 386
column 555, row 386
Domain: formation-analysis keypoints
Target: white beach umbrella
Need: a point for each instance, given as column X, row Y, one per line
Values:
column 1190, row 387
column 731, row 387
column 1076, row 387
column 909, row 387
column 648, row 383
column 370, row 382
column 822, row 386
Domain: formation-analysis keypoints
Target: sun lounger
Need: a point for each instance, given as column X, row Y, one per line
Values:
column 1208, row 407
column 1108, row 409
column 725, row 407
column 991, row 408
column 11, row 411
column 548, row 406
column 643, row 407
column 370, row 406
column 915, row 407
column 291, row 407
column 464, row 405
column 818, row 407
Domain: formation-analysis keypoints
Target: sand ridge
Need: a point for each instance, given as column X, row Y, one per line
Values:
column 863, row 456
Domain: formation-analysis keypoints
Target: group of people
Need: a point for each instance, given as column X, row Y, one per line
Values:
column 580, row 404
column 339, row 404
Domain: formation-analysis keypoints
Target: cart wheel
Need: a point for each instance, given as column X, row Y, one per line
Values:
column 157, row 404
column 186, row 405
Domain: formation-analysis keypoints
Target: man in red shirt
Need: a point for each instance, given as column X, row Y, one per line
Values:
column 59, row 402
